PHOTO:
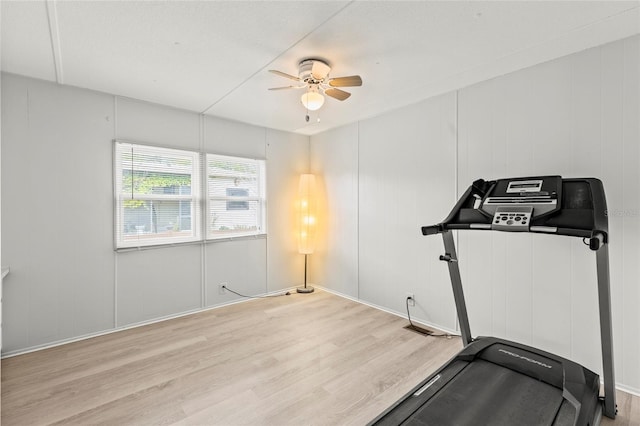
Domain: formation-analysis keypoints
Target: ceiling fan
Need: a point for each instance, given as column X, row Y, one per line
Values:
column 313, row 75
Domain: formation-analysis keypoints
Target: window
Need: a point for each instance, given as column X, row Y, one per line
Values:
column 158, row 196
column 237, row 205
column 236, row 196
column 157, row 193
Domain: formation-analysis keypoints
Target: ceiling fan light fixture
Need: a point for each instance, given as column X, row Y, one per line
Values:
column 313, row 74
column 312, row 100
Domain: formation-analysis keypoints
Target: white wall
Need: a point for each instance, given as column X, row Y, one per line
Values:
column 286, row 265
column 56, row 212
column 377, row 198
column 1, row 277
column 334, row 160
column 381, row 179
column 575, row 116
column 66, row 280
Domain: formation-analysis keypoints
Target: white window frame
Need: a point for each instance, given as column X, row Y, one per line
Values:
column 260, row 199
column 200, row 199
column 120, row 198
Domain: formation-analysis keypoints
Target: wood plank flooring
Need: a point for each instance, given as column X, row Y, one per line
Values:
column 314, row 359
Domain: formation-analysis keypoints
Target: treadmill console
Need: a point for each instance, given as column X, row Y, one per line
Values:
column 522, row 186
column 513, row 203
column 516, row 218
column 541, row 204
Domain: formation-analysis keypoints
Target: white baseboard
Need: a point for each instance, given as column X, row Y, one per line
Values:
column 622, row 388
column 390, row 311
column 629, row 390
column 135, row 325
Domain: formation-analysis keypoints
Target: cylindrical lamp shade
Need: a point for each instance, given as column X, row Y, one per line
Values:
column 307, row 214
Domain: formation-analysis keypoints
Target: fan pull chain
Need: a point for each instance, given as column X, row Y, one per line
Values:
column 132, row 181
column 306, row 117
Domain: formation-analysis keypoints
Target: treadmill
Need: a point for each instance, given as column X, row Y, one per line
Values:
column 494, row 381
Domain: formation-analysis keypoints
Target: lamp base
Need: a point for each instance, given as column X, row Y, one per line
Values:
column 307, row 289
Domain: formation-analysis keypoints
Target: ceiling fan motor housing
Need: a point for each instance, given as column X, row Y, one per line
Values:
column 305, row 71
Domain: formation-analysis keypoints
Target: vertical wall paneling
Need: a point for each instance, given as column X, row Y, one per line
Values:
column 478, row 152
column 67, row 282
column 157, row 125
column 400, row 190
column 334, row 159
column 158, row 282
column 57, row 215
column 548, row 108
column 14, row 127
column 588, row 147
column 287, row 158
column 1, row 277
column 612, row 174
column 381, row 179
column 575, row 116
column 629, row 235
column 203, row 194
column 239, row 263
column 233, row 138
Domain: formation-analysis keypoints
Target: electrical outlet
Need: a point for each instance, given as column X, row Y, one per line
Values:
column 221, row 288
column 412, row 300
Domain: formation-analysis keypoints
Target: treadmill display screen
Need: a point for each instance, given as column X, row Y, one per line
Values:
column 524, row 186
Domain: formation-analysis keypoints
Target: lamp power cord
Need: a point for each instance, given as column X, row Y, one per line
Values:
column 255, row 297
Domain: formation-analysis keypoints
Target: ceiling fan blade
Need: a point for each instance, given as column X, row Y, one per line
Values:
column 320, row 70
column 350, row 81
column 338, row 94
column 284, row 74
column 288, row 87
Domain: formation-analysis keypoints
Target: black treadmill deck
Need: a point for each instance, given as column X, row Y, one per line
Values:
column 484, row 393
column 497, row 382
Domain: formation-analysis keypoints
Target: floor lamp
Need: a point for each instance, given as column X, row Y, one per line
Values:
column 306, row 222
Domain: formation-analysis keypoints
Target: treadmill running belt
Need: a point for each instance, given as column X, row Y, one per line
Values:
column 488, row 394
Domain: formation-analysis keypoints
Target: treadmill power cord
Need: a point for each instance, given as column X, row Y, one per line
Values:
column 420, row 329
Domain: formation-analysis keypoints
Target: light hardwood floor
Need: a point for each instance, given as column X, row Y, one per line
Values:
column 313, row 359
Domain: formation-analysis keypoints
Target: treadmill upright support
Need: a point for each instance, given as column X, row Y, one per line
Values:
column 456, row 283
column 606, row 334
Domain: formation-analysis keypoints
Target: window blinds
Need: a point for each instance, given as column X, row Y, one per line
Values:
column 235, row 193
column 157, row 195
column 167, row 196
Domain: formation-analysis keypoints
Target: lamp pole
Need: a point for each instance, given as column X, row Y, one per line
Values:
column 305, row 289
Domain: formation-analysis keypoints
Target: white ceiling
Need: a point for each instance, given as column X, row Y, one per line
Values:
column 212, row 57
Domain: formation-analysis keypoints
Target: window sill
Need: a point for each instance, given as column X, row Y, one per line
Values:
column 237, row 237
column 191, row 243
